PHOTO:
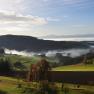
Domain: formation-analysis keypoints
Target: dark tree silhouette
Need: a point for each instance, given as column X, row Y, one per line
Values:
column 19, row 65
column 39, row 71
column 2, row 51
column 5, row 66
column 44, row 69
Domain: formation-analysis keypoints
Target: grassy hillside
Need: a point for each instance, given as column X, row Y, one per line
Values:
column 23, row 59
column 79, row 67
column 9, row 85
column 31, row 60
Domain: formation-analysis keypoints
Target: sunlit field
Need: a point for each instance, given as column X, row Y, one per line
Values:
column 75, row 68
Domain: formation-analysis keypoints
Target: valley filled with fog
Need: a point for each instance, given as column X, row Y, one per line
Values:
column 51, row 53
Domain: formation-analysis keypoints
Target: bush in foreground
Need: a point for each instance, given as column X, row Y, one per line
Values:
column 3, row 92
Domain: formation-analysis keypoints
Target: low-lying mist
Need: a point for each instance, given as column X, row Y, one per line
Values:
column 23, row 53
column 72, row 52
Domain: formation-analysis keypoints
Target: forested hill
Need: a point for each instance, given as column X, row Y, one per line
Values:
column 34, row 44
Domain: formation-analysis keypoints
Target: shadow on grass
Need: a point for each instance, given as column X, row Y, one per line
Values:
column 3, row 92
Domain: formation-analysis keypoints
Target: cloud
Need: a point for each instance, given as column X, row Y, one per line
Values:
column 11, row 17
column 72, row 1
column 12, row 5
column 13, row 23
column 79, row 25
column 45, row 0
column 52, row 19
column 81, row 4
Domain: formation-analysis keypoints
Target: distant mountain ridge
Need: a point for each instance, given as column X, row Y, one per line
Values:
column 28, row 43
column 69, row 36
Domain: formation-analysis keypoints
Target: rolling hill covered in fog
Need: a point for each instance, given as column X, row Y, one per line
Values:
column 29, row 43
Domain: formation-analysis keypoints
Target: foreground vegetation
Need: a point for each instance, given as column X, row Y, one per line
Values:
column 11, row 86
column 18, row 62
column 23, row 63
column 39, row 69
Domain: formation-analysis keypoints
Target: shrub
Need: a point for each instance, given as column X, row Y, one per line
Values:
column 49, row 88
column 27, row 91
column 3, row 92
column 87, row 92
column 65, row 90
column 5, row 66
column 19, row 65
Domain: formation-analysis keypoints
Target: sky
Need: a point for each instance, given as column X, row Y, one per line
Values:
column 46, row 17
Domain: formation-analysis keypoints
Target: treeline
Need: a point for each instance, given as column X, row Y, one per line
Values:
column 67, row 60
column 9, row 68
column 5, row 66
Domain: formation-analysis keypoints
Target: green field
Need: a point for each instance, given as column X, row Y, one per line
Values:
column 9, row 85
column 23, row 59
column 79, row 67
column 26, row 61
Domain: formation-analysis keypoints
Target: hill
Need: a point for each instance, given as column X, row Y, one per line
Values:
column 34, row 44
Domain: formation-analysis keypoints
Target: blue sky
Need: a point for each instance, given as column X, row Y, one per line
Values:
column 46, row 17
